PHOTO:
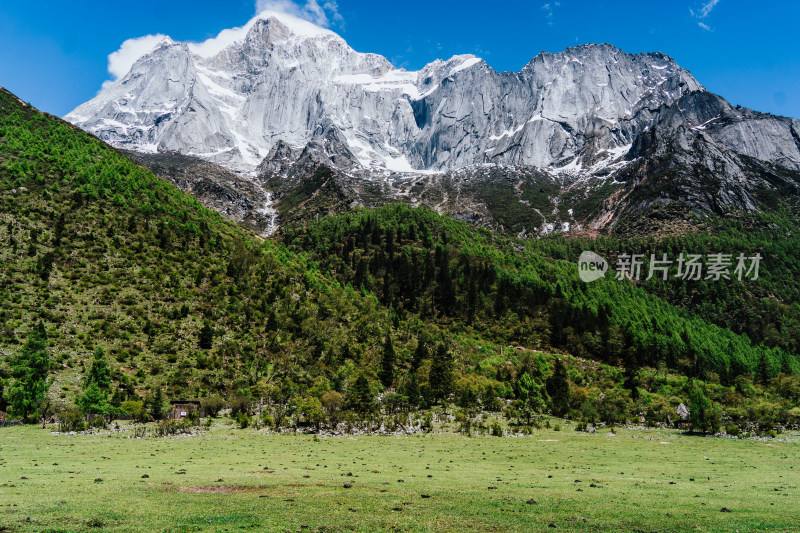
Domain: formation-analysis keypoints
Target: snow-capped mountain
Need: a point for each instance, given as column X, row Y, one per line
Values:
column 577, row 138
column 231, row 99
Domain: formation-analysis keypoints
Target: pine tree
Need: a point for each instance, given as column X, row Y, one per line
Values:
column 447, row 291
column 420, row 354
column 94, row 400
column 157, row 405
column 29, row 370
column 530, row 398
column 99, row 372
column 441, row 374
column 763, row 372
column 360, row 396
column 558, row 389
column 386, row 373
column 206, row 337
column 411, row 390
column 699, row 410
column 786, row 365
column 3, row 403
column 44, row 265
column 59, row 230
column 472, row 300
column 96, row 386
column 117, row 398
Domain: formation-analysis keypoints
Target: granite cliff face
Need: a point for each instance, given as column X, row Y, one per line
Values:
column 286, row 80
column 279, row 98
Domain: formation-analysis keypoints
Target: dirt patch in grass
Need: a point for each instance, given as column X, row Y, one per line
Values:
column 218, row 489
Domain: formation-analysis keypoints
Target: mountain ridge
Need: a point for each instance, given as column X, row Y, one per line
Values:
column 119, row 265
column 275, row 54
column 605, row 133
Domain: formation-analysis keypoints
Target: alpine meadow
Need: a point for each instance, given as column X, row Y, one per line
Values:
column 267, row 281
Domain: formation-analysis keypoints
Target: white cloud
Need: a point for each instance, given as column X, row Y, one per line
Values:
column 703, row 12
column 121, row 61
column 319, row 16
column 707, row 8
column 548, row 9
column 322, row 15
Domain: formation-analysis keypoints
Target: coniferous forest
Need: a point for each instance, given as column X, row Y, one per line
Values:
column 119, row 293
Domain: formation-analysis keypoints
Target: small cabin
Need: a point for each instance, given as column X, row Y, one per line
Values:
column 182, row 409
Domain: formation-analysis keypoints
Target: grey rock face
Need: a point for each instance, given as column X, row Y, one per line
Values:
column 235, row 197
column 573, row 141
column 711, row 156
column 282, row 82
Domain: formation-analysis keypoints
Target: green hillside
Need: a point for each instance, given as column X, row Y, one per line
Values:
column 124, row 271
column 529, row 292
column 108, row 255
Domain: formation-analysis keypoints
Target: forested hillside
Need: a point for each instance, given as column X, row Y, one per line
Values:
column 529, row 292
column 110, row 257
column 118, row 289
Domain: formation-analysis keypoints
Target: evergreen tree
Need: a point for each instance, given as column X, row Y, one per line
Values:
column 763, row 372
column 472, row 300
column 99, row 372
column 420, row 354
column 411, row 389
column 59, row 230
column 386, row 373
column 157, row 409
column 206, row 337
column 447, row 291
column 94, row 400
column 786, row 366
column 44, row 265
column 360, row 277
column 630, row 380
column 441, row 375
column 529, row 394
column 3, row 404
column 117, row 398
column 558, row 389
column 29, row 370
column 360, row 396
column 699, row 409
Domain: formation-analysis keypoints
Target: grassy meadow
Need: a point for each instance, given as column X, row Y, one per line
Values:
column 230, row 479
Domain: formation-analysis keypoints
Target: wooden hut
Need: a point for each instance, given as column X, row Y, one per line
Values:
column 181, row 409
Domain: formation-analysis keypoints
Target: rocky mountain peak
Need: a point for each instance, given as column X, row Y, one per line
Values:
column 280, row 82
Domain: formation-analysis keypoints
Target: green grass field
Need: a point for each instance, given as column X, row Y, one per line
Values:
column 230, row 479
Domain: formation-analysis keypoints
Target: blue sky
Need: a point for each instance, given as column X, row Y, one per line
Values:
column 54, row 54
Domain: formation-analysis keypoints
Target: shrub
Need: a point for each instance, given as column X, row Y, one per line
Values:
column 212, row 405
column 243, row 420
column 733, row 430
column 131, row 407
column 427, row 422
column 496, row 429
column 166, row 428
column 98, row 422
column 241, row 404
column 71, row 420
